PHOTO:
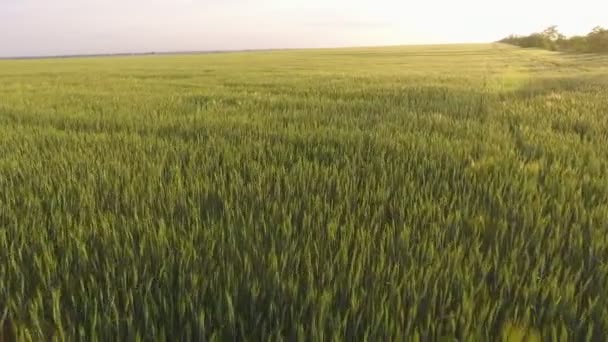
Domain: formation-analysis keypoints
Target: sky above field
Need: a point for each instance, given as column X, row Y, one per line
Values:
column 58, row 27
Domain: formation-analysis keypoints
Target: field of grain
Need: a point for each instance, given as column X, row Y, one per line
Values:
column 399, row 193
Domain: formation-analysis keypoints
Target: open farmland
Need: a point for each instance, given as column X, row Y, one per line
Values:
column 395, row 193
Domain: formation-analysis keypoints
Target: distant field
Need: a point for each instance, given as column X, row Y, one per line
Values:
column 402, row 193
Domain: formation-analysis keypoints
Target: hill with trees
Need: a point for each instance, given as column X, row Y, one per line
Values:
column 551, row 39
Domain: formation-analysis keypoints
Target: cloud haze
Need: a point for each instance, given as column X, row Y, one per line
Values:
column 42, row 27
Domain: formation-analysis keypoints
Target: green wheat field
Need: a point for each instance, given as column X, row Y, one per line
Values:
column 382, row 194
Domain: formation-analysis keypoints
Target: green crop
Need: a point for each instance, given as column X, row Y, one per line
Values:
column 401, row 193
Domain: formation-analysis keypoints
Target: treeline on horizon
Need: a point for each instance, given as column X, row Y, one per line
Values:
column 551, row 39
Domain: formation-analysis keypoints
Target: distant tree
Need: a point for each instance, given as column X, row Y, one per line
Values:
column 598, row 40
column 552, row 38
column 552, row 33
column 597, row 30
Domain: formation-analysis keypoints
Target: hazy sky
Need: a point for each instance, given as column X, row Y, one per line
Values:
column 51, row 27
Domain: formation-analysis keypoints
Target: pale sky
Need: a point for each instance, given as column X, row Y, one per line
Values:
column 59, row 27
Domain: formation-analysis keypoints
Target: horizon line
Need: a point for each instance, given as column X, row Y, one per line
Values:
column 205, row 52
